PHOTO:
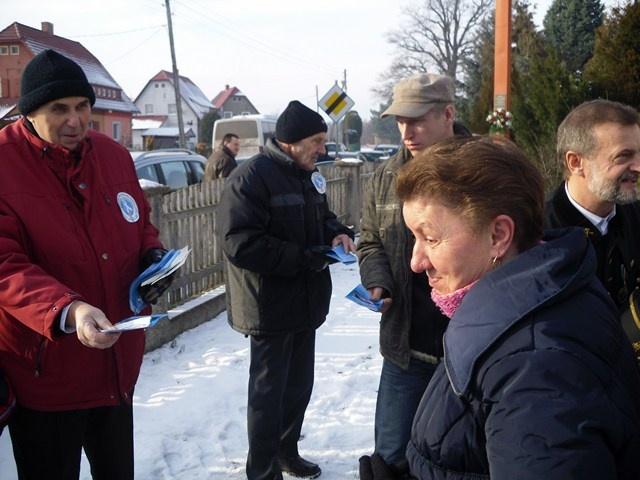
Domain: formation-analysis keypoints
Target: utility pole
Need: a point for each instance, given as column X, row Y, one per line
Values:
column 176, row 80
column 502, row 62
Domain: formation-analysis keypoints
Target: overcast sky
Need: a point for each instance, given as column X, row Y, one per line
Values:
column 273, row 51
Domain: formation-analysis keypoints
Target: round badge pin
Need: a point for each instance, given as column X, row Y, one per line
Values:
column 128, row 207
column 319, row 182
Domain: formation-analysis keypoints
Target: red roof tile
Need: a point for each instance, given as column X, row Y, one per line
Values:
column 37, row 41
column 223, row 96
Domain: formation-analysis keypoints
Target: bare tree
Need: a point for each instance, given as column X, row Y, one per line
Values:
column 438, row 35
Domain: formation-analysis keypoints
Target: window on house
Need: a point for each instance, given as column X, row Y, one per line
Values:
column 94, row 125
column 162, row 85
column 228, row 114
column 156, row 85
column 4, row 50
column 148, row 108
column 117, row 130
column 14, row 50
column 172, row 108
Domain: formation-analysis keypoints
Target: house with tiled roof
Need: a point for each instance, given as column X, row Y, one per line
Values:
column 231, row 102
column 19, row 43
column 158, row 98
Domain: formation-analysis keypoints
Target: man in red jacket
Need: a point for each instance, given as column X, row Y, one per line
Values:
column 74, row 233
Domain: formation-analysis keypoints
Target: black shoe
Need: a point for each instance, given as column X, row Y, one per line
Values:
column 299, row 467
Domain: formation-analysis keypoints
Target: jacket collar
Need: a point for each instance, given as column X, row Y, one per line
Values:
column 539, row 276
column 52, row 149
column 273, row 151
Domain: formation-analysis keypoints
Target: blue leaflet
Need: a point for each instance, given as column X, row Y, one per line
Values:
column 172, row 260
column 360, row 295
column 136, row 323
column 338, row 253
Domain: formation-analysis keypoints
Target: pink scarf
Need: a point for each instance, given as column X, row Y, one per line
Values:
column 448, row 303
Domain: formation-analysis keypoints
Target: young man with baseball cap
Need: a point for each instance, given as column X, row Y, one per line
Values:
column 276, row 227
column 74, row 233
column 411, row 327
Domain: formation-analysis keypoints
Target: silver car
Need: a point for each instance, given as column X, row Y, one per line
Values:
column 176, row 168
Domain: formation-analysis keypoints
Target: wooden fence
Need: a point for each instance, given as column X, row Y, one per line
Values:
column 188, row 216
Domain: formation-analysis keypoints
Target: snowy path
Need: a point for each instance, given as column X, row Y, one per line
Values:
column 190, row 402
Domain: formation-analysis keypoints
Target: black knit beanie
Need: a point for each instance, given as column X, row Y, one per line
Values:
column 298, row 122
column 50, row 76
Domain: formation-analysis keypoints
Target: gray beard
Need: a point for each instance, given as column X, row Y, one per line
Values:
column 611, row 192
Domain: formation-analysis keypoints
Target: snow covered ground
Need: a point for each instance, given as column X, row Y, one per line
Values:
column 190, row 402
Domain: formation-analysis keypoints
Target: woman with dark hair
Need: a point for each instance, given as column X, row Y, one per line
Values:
column 538, row 379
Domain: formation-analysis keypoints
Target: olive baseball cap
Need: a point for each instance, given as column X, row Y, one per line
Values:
column 416, row 95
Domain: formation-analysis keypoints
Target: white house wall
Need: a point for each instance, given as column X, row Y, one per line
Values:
column 160, row 98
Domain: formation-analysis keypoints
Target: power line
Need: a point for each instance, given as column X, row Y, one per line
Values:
column 117, row 33
column 113, row 60
column 254, row 43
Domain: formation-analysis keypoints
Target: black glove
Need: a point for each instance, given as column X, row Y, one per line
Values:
column 151, row 293
column 316, row 258
column 374, row 468
column 151, row 256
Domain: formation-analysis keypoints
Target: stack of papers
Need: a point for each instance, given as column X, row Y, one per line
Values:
column 135, row 323
column 338, row 254
column 360, row 295
column 171, row 262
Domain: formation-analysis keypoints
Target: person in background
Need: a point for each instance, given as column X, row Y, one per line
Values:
column 411, row 326
column 599, row 149
column 222, row 160
column 276, row 227
column 538, row 379
column 74, row 233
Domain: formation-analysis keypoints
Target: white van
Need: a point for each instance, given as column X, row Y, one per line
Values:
column 253, row 131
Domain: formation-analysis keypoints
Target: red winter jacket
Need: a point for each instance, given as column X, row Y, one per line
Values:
column 63, row 236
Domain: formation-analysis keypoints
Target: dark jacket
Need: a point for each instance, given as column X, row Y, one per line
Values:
column 618, row 252
column 270, row 215
column 384, row 252
column 63, row 237
column 538, row 381
column 220, row 164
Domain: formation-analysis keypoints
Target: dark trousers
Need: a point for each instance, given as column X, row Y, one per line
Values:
column 280, row 385
column 49, row 444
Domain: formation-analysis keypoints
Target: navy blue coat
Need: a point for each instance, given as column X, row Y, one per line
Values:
column 539, row 380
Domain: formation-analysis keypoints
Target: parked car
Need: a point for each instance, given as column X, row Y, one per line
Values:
column 176, row 168
column 372, row 155
column 333, row 148
column 390, row 148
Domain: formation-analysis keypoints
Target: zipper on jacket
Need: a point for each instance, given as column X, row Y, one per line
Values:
column 39, row 357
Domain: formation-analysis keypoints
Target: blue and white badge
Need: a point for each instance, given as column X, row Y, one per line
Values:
column 319, row 182
column 128, row 207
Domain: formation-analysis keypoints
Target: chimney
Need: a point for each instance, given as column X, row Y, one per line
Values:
column 226, row 87
column 47, row 27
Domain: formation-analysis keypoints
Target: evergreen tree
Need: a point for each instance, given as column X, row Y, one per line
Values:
column 478, row 84
column 205, row 129
column 570, row 26
column 384, row 129
column 543, row 92
column 614, row 69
